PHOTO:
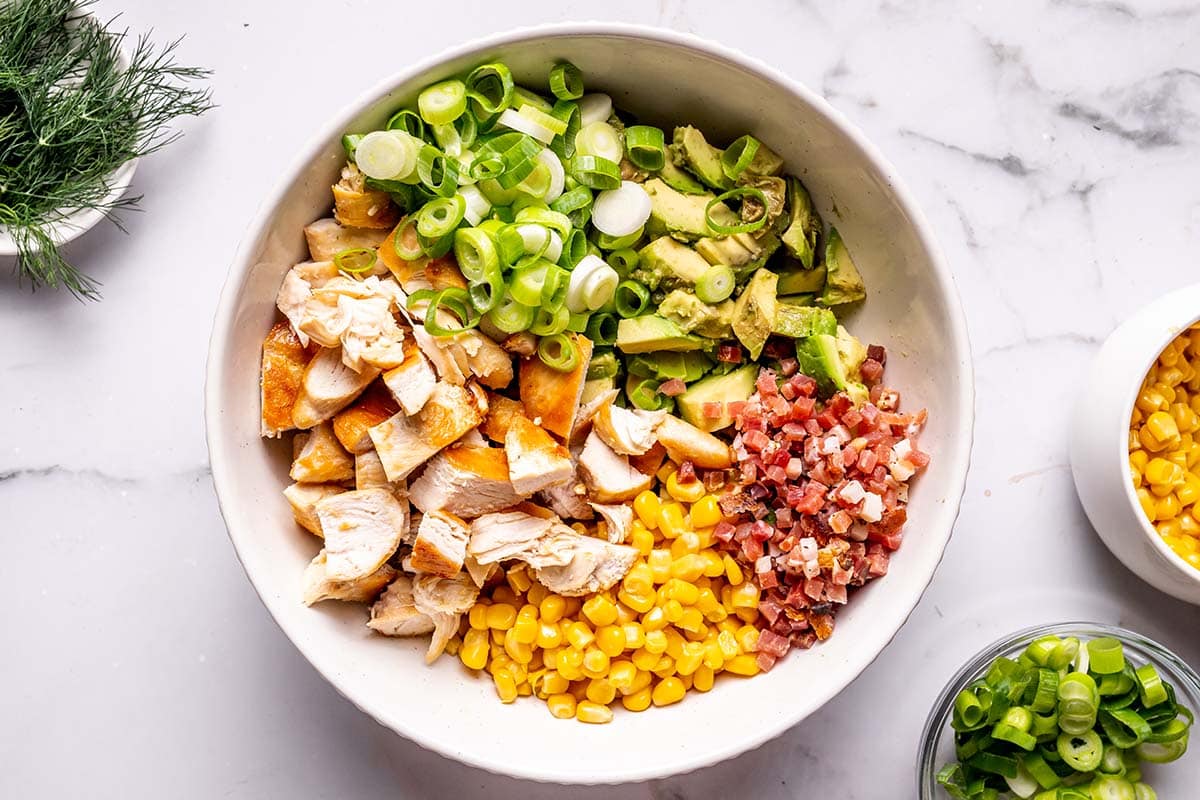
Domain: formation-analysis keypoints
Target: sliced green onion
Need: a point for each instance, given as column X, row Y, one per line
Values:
column 487, row 166
column 1150, row 685
column 524, row 97
column 554, row 220
column 437, row 173
column 475, row 252
column 408, row 121
column 456, row 302
column 440, row 216
column 716, row 284
column 994, row 763
column 486, row 292
column 548, row 121
column 575, row 247
column 743, row 227
column 523, row 124
column 490, row 87
column 1078, row 703
column 436, row 246
column 387, row 155
column 644, row 394
column 738, row 156
column 596, row 107
column 624, row 261
column 566, row 81
column 1081, row 752
column 1040, row 771
column 477, row 206
column 564, row 145
column 442, row 102
column 350, row 143
column 1110, row 787
column 519, row 161
column 526, row 284
column 621, row 212
column 356, row 260
column 555, row 282
column 405, row 241
column 631, row 298
column 559, row 352
column 646, row 147
column 1106, row 656
column 1010, row 733
column 1124, row 727
column 511, row 316
column 573, row 200
column 606, row 242
column 578, row 322
column 547, row 322
column 601, row 140
column 600, row 173
column 602, row 328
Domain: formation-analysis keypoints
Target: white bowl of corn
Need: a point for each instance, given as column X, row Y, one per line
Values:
column 1135, row 444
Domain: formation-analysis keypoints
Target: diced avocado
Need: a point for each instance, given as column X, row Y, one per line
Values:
column 594, row 387
column 769, row 243
column 804, row 224
column 734, row 251
column 682, row 215
column 667, row 264
column 802, row 281
column 651, row 332
column 693, row 315
column 819, row 360
column 798, row 300
column 754, row 312
column 843, row 284
column 665, row 365
column 733, row 387
column 851, row 351
column 799, row 322
column 691, row 150
column 775, row 190
column 680, row 179
column 604, row 364
column 765, row 162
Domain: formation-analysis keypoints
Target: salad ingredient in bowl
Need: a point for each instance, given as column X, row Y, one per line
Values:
column 574, row 402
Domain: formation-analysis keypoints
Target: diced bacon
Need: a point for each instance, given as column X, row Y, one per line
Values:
column 835, row 593
column 805, row 385
column 794, row 468
column 712, row 410
column 918, row 459
column 788, row 391
column 756, row 440
column 767, row 580
column 765, row 383
column 839, row 575
column 764, row 564
column 871, row 371
column 752, row 548
column 872, row 508
column 852, row 493
column 673, row 387
column 840, row 522
column 876, row 352
column 723, row 532
column 729, row 353
column 686, row 473
column 814, row 587
column 765, row 661
column 737, row 408
column 788, row 367
column 770, row 609
column 776, row 475
column 867, row 461
column 877, row 564
column 773, row 644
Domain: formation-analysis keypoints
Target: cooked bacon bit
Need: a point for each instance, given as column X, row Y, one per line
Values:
column 765, row 662
column 714, row 480
column 673, row 387
column 729, row 353
column 788, row 367
column 687, row 472
column 773, row 644
column 871, row 371
column 766, row 383
column 876, row 352
column 712, row 410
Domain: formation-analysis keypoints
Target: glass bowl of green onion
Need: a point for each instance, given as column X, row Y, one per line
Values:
column 1069, row 711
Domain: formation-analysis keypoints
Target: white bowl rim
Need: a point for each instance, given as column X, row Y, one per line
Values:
column 220, row 455
column 1122, row 446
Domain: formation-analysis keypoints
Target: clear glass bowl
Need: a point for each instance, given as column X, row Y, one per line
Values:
column 1178, row 779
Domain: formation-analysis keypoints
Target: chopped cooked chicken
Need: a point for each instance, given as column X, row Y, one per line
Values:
column 618, row 519
column 443, row 600
column 296, row 290
column 369, row 474
column 441, row 544
column 521, row 344
column 358, row 315
column 405, row 443
column 328, row 387
column 357, row 206
column 587, row 414
column 303, row 498
column 326, row 238
column 322, row 458
column 465, row 480
column 628, row 433
column 448, row 369
column 649, row 462
column 506, row 534
column 686, row 442
column 593, row 566
column 362, row 529
column 550, row 397
column 412, row 382
column 395, row 612
column 535, row 460
column 420, row 273
column 487, row 360
column 283, row 361
column 499, row 419
column 609, row 477
column 479, row 573
column 318, row 585
column 414, row 525
column 568, row 499
column 351, row 424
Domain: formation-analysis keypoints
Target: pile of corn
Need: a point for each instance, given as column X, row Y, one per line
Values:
column 1164, row 445
column 683, row 614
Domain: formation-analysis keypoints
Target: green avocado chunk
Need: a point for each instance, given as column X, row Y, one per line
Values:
column 690, row 149
column 754, row 312
column 651, row 332
column 693, row 315
column 843, row 284
column 603, row 365
column 733, row 387
column 765, row 162
column 679, row 179
column 664, row 365
column 802, row 281
column 594, row 387
column 804, row 224
column 733, row 251
column 799, row 322
column 667, row 264
column 818, row 357
column 682, row 215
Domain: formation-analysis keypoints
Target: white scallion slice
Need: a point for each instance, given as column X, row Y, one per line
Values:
column 600, row 287
column 554, row 248
column 558, row 175
column 448, row 139
column 621, row 211
column 600, row 139
column 535, row 238
column 594, row 108
column 511, row 119
column 477, row 206
column 387, row 155
column 577, row 289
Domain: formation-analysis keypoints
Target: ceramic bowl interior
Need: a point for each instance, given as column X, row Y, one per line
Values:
column 663, row 78
column 1177, row 779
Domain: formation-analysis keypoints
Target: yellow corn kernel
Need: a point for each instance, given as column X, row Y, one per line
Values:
column 1169, row 529
column 688, row 492
column 660, row 565
column 665, row 666
column 656, row 642
column 611, row 640
column 638, row 701
column 645, row 660
column 691, row 658
column 625, row 614
column 717, row 614
column 668, row 691
column 733, row 573
column 548, row 636
column 498, row 636
column 1146, row 500
column 691, row 621
column 536, row 594
column 1188, row 525
column 640, row 603
column 635, row 635
column 655, row 619
column 1161, row 472
column 647, row 506
column 714, row 565
column 742, row 665
column 554, row 683
column 670, row 520
column 552, row 608
column 595, row 663
column 641, row 538
column 706, row 512
column 503, row 594
column 518, row 580
column 517, row 650
column 747, row 615
column 592, row 712
column 672, row 610
column 1162, row 428
column 1139, row 459
column 687, row 542
column 477, row 616
column 706, row 601
column 622, row 674
column 686, row 593
column 525, row 629
column 1167, row 508
column 1150, row 401
column 747, row 638
column 714, row 657
column 524, row 689
column 570, row 663
column 506, row 687
column 579, row 634
column 1135, row 475
column 501, row 616
column 639, row 579
column 702, row 679
column 475, row 649
column 1189, row 492
column 561, row 705
column 688, row 568
column 600, row 610
column 675, row 642
column 745, row 596
column 601, row 690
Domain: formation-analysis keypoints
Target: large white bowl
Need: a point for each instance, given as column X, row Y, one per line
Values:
column 1100, row 448
column 913, row 308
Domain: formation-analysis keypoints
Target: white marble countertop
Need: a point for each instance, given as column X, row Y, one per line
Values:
column 1055, row 146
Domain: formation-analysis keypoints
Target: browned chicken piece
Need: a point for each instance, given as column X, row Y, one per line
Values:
column 328, row 386
column 618, row 519
column 362, row 529
column 443, row 600
column 522, row 344
column 326, row 238
column 550, row 397
column 321, row 459
column 373, row 407
column 303, row 498
column 686, row 442
column 405, row 443
column 357, row 206
column 587, row 415
column 412, row 382
column 649, row 462
column 395, row 612
column 535, row 460
column 283, row 361
column 609, row 477
column 487, row 360
column 296, row 290
column 627, row 432
column 369, row 474
column 318, row 585
column 499, row 419
column 421, row 273
column 447, row 367
column 358, row 315
column 479, row 573
column 465, row 480
column 441, row 544
column 568, row 499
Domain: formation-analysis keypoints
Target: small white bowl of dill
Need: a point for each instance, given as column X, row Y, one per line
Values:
column 79, row 104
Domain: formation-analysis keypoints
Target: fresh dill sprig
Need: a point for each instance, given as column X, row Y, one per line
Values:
column 70, row 116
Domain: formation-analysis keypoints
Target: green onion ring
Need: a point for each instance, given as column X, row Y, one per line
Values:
column 555, row 282
column 436, row 172
column 405, row 241
column 631, row 298
column 564, row 145
column 547, row 322
column 738, row 156
column 356, row 260
column 457, row 302
column 602, row 328
column 490, row 87
column 732, row 194
column 646, row 147
column 566, row 81
column 624, row 261
column 559, row 352
column 475, row 252
column 440, row 216
column 511, row 316
column 716, row 284
column 600, row 173
column 408, row 121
